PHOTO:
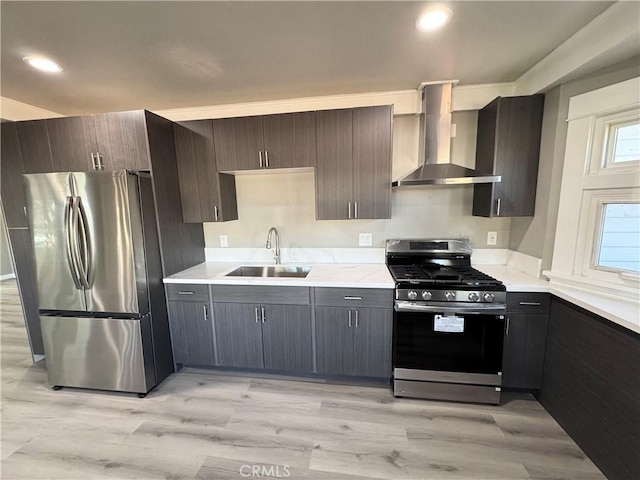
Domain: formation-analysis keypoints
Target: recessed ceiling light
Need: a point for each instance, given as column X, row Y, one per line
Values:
column 433, row 19
column 43, row 64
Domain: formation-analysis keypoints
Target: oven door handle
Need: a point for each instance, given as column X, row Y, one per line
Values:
column 490, row 309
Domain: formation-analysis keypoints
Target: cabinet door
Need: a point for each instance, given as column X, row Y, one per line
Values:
column 290, row 140
column 72, row 141
column 524, row 346
column 509, row 131
column 517, row 154
column 238, row 334
column 372, row 152
column 11, row 170
column 372, row 342
column 334, row 341
column 286, row 338
column 191, row 333
column 238, row 143
column 334, row 171
column 34, row 146
column 207, row 196
column 122, row 140
column 199, row 190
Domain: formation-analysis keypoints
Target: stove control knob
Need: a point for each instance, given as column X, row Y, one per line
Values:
column 449, row 296
column 488, row 297
column 412, row 295
column 474, row 297
column 426, row 295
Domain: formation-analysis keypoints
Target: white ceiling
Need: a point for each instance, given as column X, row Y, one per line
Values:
column 161, row 55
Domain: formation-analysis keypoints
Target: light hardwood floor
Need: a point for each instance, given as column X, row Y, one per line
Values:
column 206, row 426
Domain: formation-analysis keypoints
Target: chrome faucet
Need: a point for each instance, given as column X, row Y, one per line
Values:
column 276, row 251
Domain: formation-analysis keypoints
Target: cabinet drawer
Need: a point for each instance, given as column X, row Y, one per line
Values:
column 354, row 297
column 187, row 293
column 528, row 303
column 261, row 294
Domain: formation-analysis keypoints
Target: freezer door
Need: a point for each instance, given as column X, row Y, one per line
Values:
column 111, row 247
column 100, row 353
column 49, row 209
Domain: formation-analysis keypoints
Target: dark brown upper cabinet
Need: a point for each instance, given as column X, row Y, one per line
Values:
column 207, row 196
column 353, row 172
column 110, row 141
column 508, row 144
column 271, row 141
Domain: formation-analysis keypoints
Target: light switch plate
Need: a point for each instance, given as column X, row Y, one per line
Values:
column 224, row 241
column 365, row 240
column 492, row 238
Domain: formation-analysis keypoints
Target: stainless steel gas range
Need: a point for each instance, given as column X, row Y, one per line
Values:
column 449, row 322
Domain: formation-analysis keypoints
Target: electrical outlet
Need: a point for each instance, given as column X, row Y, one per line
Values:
column 365, row 240
column 224, row 241
column 492, row 238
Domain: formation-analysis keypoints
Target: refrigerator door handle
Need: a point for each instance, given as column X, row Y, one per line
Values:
column 75, row 234
column 68, row 217
column 85, row 242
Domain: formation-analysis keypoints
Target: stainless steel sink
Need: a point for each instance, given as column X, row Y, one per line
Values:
column 269, row 271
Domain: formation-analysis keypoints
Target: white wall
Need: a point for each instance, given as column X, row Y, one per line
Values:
column 287, row 201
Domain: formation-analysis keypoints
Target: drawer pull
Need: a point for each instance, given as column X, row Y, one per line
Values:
column 185, row 292
column 531, row 304
column 349, row 297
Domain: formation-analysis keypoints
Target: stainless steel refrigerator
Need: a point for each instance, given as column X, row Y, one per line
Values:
column 99, row 274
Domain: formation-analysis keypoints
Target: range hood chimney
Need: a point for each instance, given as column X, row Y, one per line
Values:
column 435, row 144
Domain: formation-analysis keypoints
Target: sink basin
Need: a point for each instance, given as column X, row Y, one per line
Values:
column 270, row 271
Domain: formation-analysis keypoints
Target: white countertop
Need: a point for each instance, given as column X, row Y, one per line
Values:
column 621, row 311
column 368, row 275
column 514, row 280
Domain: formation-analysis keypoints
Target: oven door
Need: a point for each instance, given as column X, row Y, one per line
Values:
column 449, row 343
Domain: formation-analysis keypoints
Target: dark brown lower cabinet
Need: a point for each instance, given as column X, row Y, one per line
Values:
column 254, row 335
column 524, row 345
column 191, row 333
column 591, row 386
column 354, row 341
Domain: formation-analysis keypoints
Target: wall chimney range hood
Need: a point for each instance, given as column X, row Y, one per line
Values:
column 435, row 144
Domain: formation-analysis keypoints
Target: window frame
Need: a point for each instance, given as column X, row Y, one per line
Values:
column 590, row 180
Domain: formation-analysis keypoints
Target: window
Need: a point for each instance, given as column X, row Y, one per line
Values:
column 623, row 143
column 618, row 248
column 597, row 238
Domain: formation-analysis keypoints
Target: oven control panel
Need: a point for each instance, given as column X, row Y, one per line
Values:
column 476, row 296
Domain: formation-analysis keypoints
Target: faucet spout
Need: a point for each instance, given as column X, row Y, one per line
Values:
column 276, row 250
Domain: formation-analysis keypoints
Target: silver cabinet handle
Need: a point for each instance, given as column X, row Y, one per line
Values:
column 94, row 161
column 263, row 315
column 355, row 209
column 215, row 212
column 257, row 315
column 266, row 158
column 260, row 157
column 100, row 162
column 531, row 304
column 348, row 297
column 508, row 325
column 205, row 313
column 349, row 318
column 357, row 318
column 25, row 211
column 185, row 292
column 349, row 210
column 498, row 208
